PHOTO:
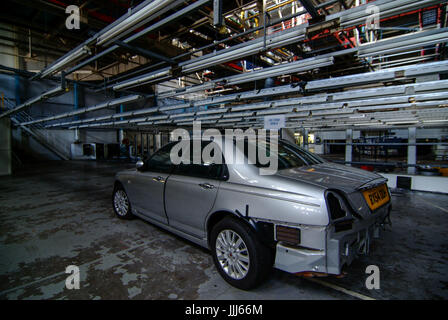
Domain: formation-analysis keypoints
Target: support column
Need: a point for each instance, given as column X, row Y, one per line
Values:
column 120, row 136
column 217, row 13
column 261, row 6
column 75, row 98
column 412, row 150
column 348, row 146
column 77, row 94
column 77, row 135
column 305, row 139
column 153, row 143
column 121, row 131
column 75, row 107
column 158, row 137
column 288, row 135
column 5, row 147
column 17, row 90
column 148, row 145
column 142, row 146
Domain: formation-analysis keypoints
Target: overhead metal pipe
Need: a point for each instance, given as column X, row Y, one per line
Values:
column 103, row 105
column 245, row 49
column 151, row 77
column 308, row 5
column 74, row 54
column 144, row 52
column 129, row 21
column 43, row 96
column 282, row 69
column 141, row 33
column 295, row 109
column 294, row 67
column 358, row 15
column 388, row 95
column 395, row 95
column 404, row 42
column 214, row 44
column 149, row 9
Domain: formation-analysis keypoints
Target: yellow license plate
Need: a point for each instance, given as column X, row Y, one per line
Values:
column 376, row 197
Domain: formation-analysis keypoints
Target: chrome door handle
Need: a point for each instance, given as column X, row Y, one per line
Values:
column 158, row 179
column 206, row 186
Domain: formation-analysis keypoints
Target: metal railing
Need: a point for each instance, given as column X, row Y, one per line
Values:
column 35, row 130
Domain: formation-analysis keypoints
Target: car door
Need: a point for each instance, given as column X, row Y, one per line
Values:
column 147, row 190
column 190, row 195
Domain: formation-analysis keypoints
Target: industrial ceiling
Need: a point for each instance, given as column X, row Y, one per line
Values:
column 323, row 64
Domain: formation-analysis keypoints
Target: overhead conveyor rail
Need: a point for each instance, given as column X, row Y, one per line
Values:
column 141, row 33
column 357, row 16
column 282, row 69
column 145, row 12
column 298, row 34
column 440, row 34
column 135, row 18
column 246, row 111
column 248, row 48
column 404, row 42
column 293, row 35
column 428, row 94
column 97, row 107
column 148, row 12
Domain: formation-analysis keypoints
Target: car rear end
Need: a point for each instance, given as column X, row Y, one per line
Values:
column 356, row 217
column 355, row 220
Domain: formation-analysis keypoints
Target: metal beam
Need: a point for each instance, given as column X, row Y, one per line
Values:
column 412, row 150
column 308, row 5
column 382, row 97
column 217, row 13
column 282, row 69
column 100, row 106
column 348, row 146
column 387, row 8
column 296, row 110
column 141, row 33
column 144, row 52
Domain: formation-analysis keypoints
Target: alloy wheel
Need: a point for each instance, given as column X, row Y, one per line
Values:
column 121, row 202
column 232, row 254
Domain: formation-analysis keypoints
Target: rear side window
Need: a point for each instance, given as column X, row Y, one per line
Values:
column 288, row 155
column 204, row 170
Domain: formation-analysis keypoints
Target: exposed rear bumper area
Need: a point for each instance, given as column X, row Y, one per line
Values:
column 341, row 247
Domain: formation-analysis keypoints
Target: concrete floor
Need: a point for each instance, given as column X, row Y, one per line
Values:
column 59, row 213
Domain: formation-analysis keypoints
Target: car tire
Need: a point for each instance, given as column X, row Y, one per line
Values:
column 121, row 203
column 248, row 262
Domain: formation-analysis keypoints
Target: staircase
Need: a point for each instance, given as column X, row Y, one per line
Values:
column 34, row 130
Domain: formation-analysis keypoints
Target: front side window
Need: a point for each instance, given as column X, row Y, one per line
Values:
column 161, row 161
column 205, row 170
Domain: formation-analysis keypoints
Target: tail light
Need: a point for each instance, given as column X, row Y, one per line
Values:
column 336, row 206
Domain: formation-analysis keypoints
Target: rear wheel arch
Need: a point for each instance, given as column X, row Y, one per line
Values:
column 217, row 216
column 227, row 254
column 118, row 184
column 214, row 218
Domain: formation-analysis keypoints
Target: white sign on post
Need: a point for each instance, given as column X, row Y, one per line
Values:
column 274, row 122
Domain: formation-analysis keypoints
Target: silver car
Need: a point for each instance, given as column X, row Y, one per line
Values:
column 311, row 216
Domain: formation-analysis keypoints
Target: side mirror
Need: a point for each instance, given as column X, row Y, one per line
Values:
column 139, row 165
